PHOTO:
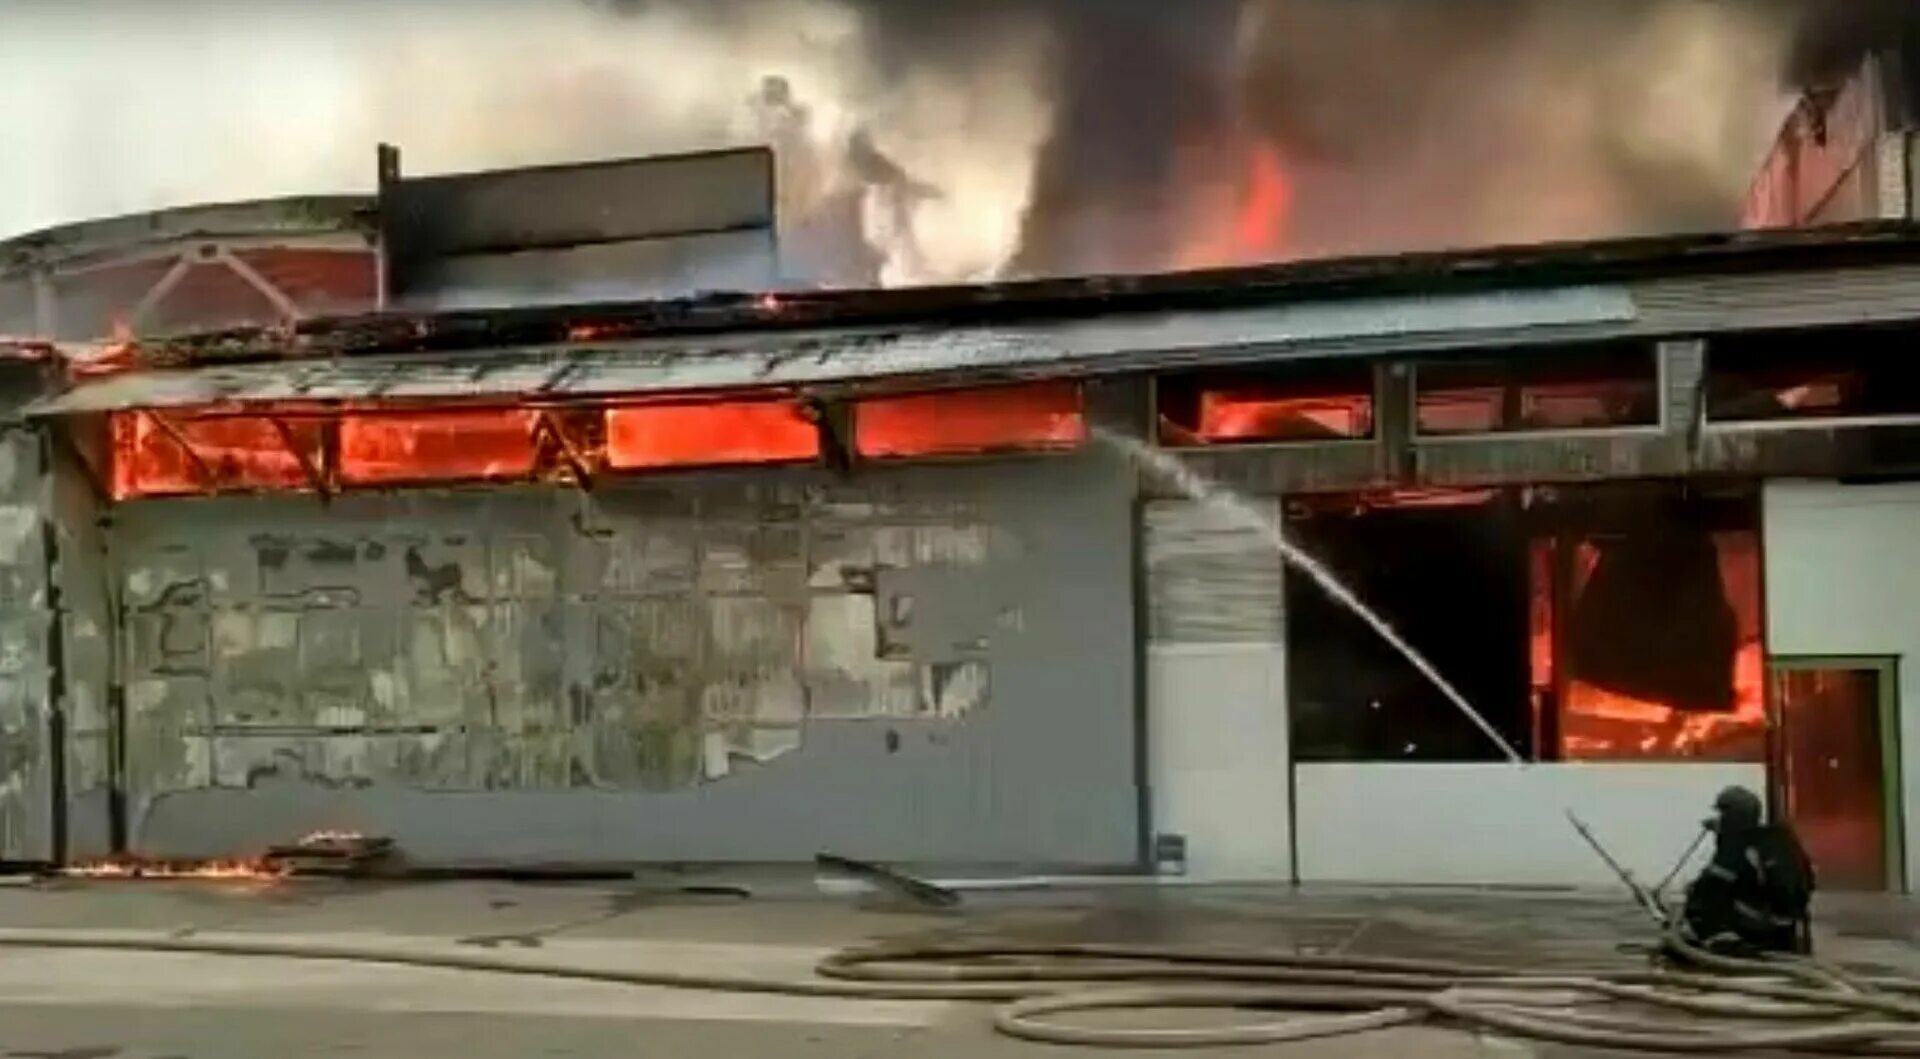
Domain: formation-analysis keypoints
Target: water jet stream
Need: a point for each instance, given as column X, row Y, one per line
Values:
column 1203, row 490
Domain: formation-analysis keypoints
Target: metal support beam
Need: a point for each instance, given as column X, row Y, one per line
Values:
column 46, row 315
column 98, row 479
column 833, row 418
column 287, row 307
column 576, row 462
column 315, row 476
column 1393, row 422
column 386, row 175
column 200, row 467
column 1683, row 381
column 161, row 288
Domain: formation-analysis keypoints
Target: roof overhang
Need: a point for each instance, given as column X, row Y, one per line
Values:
column 701, row 364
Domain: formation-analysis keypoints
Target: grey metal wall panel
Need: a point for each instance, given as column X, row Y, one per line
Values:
column 25, row 765
column 926, row 664
column 87, row 634
column 556, row 206
column 631, row 270
column 1211, row 578
column 1702, row 304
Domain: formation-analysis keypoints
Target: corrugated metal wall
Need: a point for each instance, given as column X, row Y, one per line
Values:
column 924, row 664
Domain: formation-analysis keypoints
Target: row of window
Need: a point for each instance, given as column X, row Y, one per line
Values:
column 173, row 454
column 1863, row 373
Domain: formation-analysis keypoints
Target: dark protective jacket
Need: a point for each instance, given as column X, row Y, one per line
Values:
column 1756, row 892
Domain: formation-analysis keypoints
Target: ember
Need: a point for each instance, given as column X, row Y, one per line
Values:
column 591, row 332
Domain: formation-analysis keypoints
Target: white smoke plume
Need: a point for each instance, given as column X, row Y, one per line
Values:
column 923, row 142
column 117, row 107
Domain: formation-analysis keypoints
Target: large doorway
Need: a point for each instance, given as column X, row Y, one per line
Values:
column 1836, row 767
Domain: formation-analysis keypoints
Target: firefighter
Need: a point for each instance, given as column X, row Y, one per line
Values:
column 1755, row 894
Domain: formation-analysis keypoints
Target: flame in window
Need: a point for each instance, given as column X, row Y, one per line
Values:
column 1597, row 724
column 1035, row 416
column 1226, row 415
column 677, row 435
column 159, row 455
column 469, row 444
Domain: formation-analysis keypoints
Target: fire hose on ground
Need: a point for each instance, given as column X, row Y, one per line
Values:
column 1794, row 1005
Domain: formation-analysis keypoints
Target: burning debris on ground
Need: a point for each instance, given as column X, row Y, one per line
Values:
column 319, row 853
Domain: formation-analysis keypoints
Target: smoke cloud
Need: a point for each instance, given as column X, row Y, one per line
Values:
column 922, row 142
column 1831, row 38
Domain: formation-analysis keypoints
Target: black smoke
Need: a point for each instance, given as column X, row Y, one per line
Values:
column 1832, row 37
column 1403, row 124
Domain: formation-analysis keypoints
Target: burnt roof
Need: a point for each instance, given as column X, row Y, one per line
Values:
column 292, row 215
column 1507, row 267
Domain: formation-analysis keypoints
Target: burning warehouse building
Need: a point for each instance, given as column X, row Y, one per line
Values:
column 896, row 574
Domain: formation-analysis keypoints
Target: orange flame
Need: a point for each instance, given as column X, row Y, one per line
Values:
column 1251, row 227
column 589, row 332
column 135, row 868
column 1265, row 198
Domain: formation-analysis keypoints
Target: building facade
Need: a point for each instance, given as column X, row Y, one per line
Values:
column 749, row 577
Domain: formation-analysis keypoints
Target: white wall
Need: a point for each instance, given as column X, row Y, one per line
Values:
column 1843, row 578
column 1499, row 824
column 1217, row 754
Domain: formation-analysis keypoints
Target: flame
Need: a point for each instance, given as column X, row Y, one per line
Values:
column 1028, row 416
column 437, row 444
column 1252, row 227
column 237, row 452
column 1261, row 223
column 670, row 435
column 1597, row 724
column 136, row 868
column 1226, row 415
column 281, row 447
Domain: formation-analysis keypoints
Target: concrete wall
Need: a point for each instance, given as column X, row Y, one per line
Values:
column 1843, row 578
column 1217, row 746
column 1499, row 824
column 931, row 664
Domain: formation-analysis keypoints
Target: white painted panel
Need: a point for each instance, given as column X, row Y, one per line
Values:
column 1217, row 756
column 1498, row 824
column 1843, row 578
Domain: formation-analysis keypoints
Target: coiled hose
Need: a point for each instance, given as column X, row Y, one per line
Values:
column 1792, row 1005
